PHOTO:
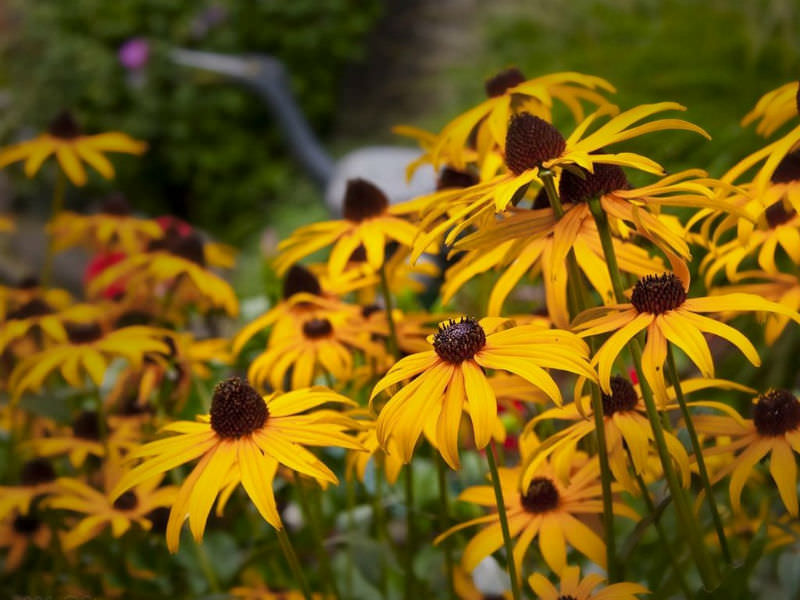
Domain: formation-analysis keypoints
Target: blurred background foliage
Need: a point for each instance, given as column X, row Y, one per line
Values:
column 358, row 67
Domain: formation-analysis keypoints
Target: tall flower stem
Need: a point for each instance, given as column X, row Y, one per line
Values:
column 698, row 453
column 410, row 583
column 501, row 511
column 294, row 563
column 597, row 404
column 350, row 492
column 56, row 207
column 307, row 499
column 690, row 526
column 387, row 300
column 380, row 522
column 205, row 566
column 444, row 522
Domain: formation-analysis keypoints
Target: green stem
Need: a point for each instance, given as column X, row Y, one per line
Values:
column 698, row 453
column 294, row 563
column 501, row 511
column 690, row 526
column 350, row 491
column 205, row 566
column 56, row 207
column 410, row 533
column 380, row 523
column 307, row 498
column 387, row 300
column 444, row 523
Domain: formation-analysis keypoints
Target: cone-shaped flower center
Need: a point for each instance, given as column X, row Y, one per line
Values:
column 315, row 329
column 788, row 169
column 85, row 426
column 237, row 409
column 451, row 178
column 530, row 141
column 83, row 333
column 127, row 501
column 298, row 280
column 64, row 126
column 34, row 308
column 116, row 204
column 26, row 524
column 656, row 294
column 541, row 496
column 623, row 396
column 36, row 471
column 457, row 341
column 363, row 200
column 776, row 214
column 776, row 412
column 606, row 178
column 504, row 80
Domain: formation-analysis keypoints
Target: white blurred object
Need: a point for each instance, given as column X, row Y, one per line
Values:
column 490, row 578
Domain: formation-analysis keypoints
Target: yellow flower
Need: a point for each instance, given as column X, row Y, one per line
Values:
column 369, row 221
column 547, row 508
column 450, row 379
column 70, row 146
column 113, row 228
column 775, row 108
column 37, row 478
column 100, row 512
column 357, row 460
column 659, row 305
column 243, row 439
column 509, row 94
column 87, row 349
column 575, row 588
column 28, row 289
column 20, row 532
column 774, row 430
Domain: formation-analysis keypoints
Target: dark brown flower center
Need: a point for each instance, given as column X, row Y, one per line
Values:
column 26, row 524
column 116, row 204
column 83, row 333
column 85, row 426
column 788, row 169
column 530, row 141
column 300, row 280
column 656, row 294
column 133, row 317
column 457, row 341
column 566, row 597
column 776, row 214
column 363, row 200
column 776, row 412
column 315, row 329
column 451, row 178
column 37, row 471
column 237, row 409
column 27, row 283
column 606, row 178
column 127, row 501
column 541, row 496
column 369, row 310
column 504, row 80
column 191, row 248
column 34, row 308
column 623, row 396
column 64, row 126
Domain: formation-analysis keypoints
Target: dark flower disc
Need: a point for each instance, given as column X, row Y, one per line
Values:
column 83, row 333
column 776, row 214
column 776, row 412
column 37, row 471
column 237, row 409
column 656, row 294
column 26, row 524
column 300, row 280
column 504, row 80
column 317, row 328
column 451, row 178
column 788, row 169
column 457, row 341
column 33, row 308
column 542, row 495
column 363, row 200
column 623, row 396
column 605, row 179
column 530, row 141
column 127, row 501
column 64, row 126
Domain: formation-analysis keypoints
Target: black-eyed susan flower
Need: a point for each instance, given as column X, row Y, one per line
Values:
column 87, row 350
column 369, row 221
column 549, row 509
column 243, row 439
column 774, row 429
column 12, row 297
column 132, row 507
column 71, row 148
column 111, row 229
column 18, row 533
column 775, row 108
column 37, row 479
column 661, row 306
column 450, row 379
column 573, row 587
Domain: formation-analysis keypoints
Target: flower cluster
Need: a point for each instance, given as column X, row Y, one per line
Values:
column 570, row 358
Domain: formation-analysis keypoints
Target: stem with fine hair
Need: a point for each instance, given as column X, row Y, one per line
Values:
column 294, row 563
column 707, row 569
column 501, row 511
column 444, row 522
column 580, row 303
column 698, row 453
column 56, row 207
